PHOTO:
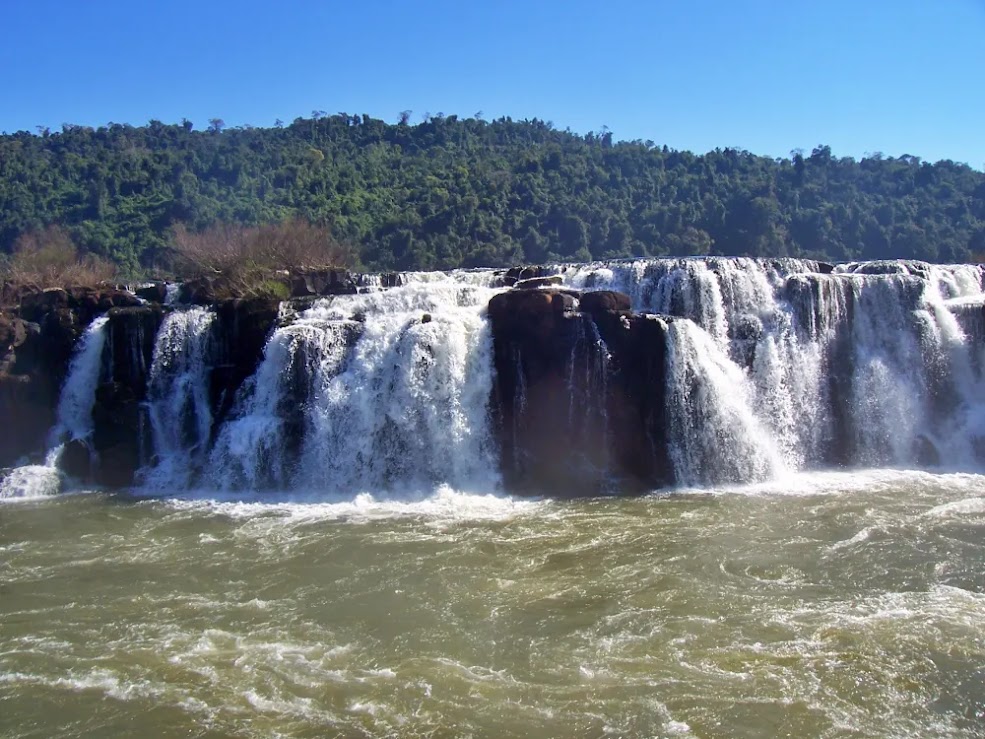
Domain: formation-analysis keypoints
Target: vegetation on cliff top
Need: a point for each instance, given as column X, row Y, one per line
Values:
column 452, row 192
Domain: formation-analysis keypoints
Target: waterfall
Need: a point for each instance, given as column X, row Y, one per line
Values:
column 78, row 395
column 716, row 435
column 73, row 419
column 752, row 368
column 781, row 365
column 178, row 401
column 384, row 390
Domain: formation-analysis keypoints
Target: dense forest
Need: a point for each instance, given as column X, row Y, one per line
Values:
column 452, row 192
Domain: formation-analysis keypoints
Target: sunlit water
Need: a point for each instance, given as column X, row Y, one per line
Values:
column 832, row 605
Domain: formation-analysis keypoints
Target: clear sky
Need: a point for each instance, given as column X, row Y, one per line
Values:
column 891, row 76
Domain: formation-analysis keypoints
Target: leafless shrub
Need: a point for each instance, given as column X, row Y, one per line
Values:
column 49, row 258
column 237, row 250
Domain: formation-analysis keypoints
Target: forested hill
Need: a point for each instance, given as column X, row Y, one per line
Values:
column 464, row 192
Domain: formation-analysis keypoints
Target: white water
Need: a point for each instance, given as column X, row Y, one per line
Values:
column 74, row 414
column 73, row 418
column 178, row 397
column 772, row 368
column 750, row 391
column 386, row 400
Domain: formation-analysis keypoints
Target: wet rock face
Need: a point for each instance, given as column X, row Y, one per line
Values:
column 244, row 326
column 323, row 282
column 37, row 340
column 36, row 344
column 84, row 302
column 533, row 338
column 117, row 440
column 27, row 410
column 154, row 293
column 578, row 397
column 131, row 340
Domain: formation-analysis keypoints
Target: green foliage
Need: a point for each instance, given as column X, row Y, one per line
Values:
column 455, row 192
column 273, row 289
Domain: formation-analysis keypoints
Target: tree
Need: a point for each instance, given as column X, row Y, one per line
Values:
column 216, row 125
column 449, row 192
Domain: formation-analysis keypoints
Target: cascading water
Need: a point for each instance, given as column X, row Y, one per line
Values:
column 386, row 390
column 73, row 420
column 715, row 434
column 178, row 402
column 782, row 365
column 770, row 366
column 74, row 414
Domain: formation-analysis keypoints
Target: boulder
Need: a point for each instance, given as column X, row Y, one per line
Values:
column 514, row 274
column 523, row 315
column 156, row 292
column 34, row 305
column 536, row 283
column 76, row 460
column 598, row 301
column 322, row 282
column 200, row 291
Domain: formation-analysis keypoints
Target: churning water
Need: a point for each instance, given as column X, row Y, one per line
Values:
column 336, row 558
column 827, row 604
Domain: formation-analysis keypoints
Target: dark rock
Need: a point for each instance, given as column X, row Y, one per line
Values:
column 515, row 274
column 242, row 331
column 824, row 268
column 637, row 422
column 578, row 397
column 524, row 315
column 76, row 460
column 200, row 291
column 426, row 318
column 27, row 409
column 530, row 273
column 35, row 305
column 13, row 332
column 155, row 293
column 535, row 283
column 117, row 440
column 604, row 300
column 323, row 282
column 564, row 303
column 132, row 333
column 926, row 452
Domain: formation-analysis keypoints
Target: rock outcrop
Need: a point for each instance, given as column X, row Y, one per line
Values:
column 577, row 399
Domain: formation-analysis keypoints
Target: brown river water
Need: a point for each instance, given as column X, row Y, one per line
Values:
column 823, row 605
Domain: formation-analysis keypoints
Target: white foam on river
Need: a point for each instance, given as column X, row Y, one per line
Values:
column 443, row 504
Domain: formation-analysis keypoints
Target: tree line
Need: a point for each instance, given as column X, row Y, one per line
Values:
column 453, row 192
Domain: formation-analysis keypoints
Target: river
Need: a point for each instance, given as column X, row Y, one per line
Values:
column 820, row 604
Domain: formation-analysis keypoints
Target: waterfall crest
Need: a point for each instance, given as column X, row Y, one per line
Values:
column 726, row 370
column 78, row 395
column 783, row 365
column 387, row 389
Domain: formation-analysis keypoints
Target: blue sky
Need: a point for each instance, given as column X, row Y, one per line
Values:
column 898, row 77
